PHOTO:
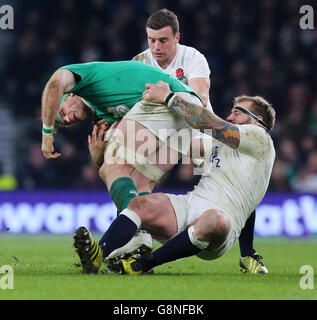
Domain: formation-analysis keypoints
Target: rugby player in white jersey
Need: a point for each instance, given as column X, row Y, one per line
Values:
column 189, row 66
column 184, row 63
column 238, row 156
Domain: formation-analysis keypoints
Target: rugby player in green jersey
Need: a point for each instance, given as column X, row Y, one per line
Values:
column 102, row 89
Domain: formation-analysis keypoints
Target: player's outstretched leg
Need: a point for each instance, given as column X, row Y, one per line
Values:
column 88, row 250
column 210, row 230
column 179, row 247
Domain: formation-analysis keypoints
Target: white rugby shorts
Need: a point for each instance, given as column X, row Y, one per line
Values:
column 190, row 207
column 165, row 123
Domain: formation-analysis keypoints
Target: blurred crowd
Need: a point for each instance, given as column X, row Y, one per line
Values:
column 253, row 47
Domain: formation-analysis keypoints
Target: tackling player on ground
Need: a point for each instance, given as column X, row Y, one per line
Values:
column 205, row 222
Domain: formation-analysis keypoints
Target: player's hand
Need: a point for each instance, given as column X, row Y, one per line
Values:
column 156, row 93
column 48, row 146
column 97, row 144
column 101, row 122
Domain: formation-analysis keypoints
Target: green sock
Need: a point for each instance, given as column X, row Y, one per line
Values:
column 122, row 191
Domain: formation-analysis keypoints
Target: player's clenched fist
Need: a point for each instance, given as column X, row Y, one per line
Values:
column 156, row 93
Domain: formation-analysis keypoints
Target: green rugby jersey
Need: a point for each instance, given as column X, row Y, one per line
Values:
column 113, row 88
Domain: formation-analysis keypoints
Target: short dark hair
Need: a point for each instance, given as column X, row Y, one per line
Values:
column 260, row 107
column 163, row 18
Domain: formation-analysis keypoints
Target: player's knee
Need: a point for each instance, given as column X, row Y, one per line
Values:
column 219, row 223
column 212, row 224
column 142, row 205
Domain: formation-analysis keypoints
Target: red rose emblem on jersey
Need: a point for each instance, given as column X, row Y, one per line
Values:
column 180, row 73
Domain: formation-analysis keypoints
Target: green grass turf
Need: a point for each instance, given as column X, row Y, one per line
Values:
column 44, row 268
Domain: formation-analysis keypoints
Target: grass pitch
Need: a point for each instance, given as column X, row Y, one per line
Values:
column 45, row 268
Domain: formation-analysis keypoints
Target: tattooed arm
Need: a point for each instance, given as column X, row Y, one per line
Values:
column 198, row 117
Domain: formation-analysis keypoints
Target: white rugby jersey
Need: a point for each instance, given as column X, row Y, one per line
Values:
column 188, row 64
column 236, row 180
